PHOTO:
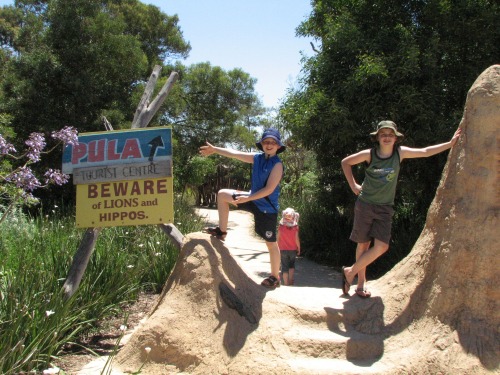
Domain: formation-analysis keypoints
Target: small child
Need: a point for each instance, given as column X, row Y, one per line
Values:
column 289, row 243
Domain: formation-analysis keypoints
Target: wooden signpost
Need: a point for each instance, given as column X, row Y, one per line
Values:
column 123, row 178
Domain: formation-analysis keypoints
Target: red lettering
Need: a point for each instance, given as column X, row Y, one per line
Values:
column 149, row 187
column 105, row 191
column 112, row 154
column 161, row 186
column 113, row 216
column 96, row 150
column 131, row 149
column 135, row 188
column 120, row 188
column 78, row 152
column 92, row 191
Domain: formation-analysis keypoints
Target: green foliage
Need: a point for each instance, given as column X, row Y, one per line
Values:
column 322, row 234
column 410, row 62
column 160, row 35
column 212, row 105
column 70, row 62
column 35, row 256
column 209, row 103
column 199, row 167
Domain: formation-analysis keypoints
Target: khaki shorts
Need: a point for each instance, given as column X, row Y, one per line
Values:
column 371, row 221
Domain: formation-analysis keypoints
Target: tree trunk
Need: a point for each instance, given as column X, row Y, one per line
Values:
column 175, row 235
column 80, row 261
column 145, row 111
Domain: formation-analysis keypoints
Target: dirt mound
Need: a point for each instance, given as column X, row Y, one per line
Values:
column 213, row 318
column 209, row 319
column 437, row 311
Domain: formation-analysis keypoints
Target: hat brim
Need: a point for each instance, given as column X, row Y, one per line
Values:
column 398, row 134
column 280, row 150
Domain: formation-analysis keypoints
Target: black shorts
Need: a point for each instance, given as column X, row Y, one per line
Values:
column 288, row 259
column 265, row 224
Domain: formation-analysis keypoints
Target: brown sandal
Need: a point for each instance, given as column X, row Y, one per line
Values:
column 363, row 293
column 345, row 283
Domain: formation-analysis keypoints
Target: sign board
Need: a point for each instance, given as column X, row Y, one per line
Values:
column 102, row 149
column 122, row 177
column 118, row 203
column 122, row 172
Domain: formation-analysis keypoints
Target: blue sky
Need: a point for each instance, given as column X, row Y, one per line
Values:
column 257, row 36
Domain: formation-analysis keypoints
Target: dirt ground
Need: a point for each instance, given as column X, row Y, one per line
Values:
column 245, row 247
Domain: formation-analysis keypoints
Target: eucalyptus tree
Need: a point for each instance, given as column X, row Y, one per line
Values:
column 409, row 61
column 70, row 61
column 214, row 105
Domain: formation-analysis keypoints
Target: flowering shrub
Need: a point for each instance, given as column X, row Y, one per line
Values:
column 18, row 183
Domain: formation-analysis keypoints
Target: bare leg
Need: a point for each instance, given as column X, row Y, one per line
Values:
column 274, row 257
column 360, row 250
column 224, row 196
column 291, row 273
column 365, row 259
column 285, row 278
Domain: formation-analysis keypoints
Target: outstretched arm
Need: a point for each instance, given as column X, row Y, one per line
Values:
column 209, row 149
column 348, row 162
column 409, row 153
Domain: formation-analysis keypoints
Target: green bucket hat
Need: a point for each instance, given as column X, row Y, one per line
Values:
column 386, row 125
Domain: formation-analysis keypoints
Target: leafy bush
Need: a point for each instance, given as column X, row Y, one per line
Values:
column 35, row 257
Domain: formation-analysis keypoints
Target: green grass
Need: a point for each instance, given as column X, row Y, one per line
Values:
column 35, row 257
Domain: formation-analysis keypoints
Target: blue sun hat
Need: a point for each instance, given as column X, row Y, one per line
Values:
column 274, row 134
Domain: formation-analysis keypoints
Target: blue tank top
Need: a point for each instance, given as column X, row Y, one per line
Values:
column 261, row 170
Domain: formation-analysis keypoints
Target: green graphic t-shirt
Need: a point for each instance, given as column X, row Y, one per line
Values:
column 381, row 176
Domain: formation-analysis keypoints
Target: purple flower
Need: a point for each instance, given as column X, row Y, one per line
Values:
column 24, row 179
column 5, row 147
column 28, row 197
column 55, row 176
column 36, row 143
column 68, row 135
